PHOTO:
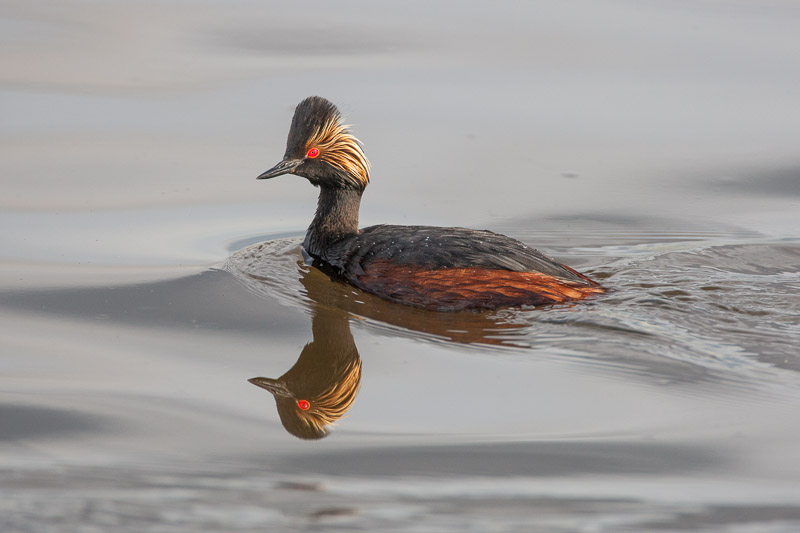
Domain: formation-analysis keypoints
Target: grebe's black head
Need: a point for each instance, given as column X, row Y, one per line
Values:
column 321, row 148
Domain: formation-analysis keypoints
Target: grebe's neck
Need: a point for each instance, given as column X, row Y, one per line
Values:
column 336, row 217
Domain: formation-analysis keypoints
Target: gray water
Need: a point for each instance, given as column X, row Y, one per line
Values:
column 145, row 276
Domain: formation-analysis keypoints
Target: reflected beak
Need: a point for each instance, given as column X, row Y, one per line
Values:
column 284, row 167
column 274, row 386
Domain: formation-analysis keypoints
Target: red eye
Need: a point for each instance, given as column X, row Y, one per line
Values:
column 312, row 153
column 303, row 404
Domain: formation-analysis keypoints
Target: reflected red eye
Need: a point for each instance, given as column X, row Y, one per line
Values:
column 312, row 153
column 303, row 404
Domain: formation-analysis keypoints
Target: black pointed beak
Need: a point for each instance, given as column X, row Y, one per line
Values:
column 272, row 385
column 284, row 167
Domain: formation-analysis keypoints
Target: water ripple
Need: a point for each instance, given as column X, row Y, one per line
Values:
column 677, row 312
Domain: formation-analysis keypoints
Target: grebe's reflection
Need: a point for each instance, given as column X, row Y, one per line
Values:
column 321, row 386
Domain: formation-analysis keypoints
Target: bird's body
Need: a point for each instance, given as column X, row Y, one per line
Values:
column 450, row 269
column 443, row 269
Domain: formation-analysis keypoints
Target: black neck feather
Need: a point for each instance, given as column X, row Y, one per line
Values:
column 336, row 217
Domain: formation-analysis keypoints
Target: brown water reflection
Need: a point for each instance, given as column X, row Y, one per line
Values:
column 323, row 384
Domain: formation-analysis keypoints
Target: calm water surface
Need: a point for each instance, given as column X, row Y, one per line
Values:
column 145, row 276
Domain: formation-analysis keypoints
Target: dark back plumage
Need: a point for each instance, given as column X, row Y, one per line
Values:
column 452, row 269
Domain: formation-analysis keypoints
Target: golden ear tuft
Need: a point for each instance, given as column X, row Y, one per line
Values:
column 340, row 149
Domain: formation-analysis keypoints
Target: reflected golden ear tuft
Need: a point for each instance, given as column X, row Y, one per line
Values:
column 334, row 402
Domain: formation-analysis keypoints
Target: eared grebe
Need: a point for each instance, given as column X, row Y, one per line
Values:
column 442, row 269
